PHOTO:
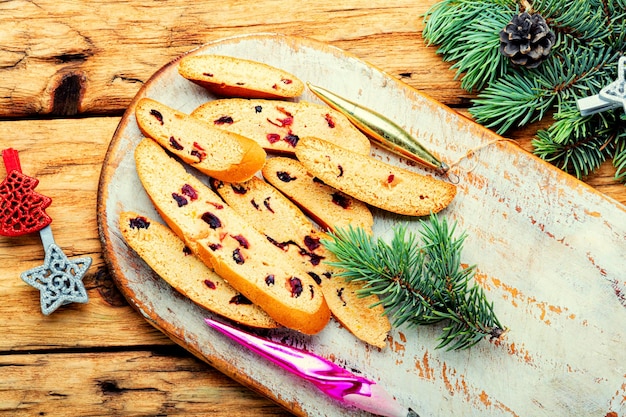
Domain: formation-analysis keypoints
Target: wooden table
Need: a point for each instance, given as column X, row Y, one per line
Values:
column 67, row 71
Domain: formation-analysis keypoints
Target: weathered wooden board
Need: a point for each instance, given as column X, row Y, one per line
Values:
column 550, row 253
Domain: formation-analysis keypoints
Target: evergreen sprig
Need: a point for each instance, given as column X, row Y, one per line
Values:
column 590, row 38
column 419, row 279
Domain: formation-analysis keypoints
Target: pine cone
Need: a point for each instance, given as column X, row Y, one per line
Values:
column 527, row 40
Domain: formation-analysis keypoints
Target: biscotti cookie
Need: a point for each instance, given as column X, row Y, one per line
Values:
column 236, row 77
column 172, row 260
column 328, row 207
column 215, row 152
column 289, row 229
column 278, row 125
column 377, row 183
column 224, row 241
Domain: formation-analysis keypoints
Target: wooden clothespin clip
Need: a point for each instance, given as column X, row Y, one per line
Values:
column 611, row 97
column 22, row 211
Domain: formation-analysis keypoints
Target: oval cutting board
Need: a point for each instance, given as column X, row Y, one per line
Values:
column 550, row 253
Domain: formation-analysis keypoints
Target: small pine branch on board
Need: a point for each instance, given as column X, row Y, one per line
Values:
column 419, row 281
column 590, row 36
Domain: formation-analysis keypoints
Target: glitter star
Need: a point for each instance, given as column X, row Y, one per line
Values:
column 59, row 280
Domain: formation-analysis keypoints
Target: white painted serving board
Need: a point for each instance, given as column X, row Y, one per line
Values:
column 550, row 253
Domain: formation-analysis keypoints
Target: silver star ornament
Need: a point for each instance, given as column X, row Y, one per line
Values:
column 59, row 279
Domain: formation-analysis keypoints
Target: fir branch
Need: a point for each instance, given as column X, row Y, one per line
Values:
column 619, row 159
column 577, row 145
column 474, row 46
column 513, row 101
column 418, row 281
column 590, row 38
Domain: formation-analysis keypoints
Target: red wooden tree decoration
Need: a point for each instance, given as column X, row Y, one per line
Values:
column 22, row 210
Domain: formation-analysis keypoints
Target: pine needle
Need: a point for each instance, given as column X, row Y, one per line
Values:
column 419, row 279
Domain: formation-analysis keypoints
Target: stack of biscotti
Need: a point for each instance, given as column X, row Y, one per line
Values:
column 327, row 206
column 277, row 125
column 214, row 152
column 237, row 77
column 289, row 229
column 234, row 249
column 172, row 260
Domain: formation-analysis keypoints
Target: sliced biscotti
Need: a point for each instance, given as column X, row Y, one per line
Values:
column 328, row 207
column 215, row 152
column 236, row 77
column 278, row 125
column 289, row 229
column 224, row 241
column 377, row 183
column 173, row 261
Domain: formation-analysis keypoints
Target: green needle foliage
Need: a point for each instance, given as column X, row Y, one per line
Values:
column 590, row 38
column 419, row 281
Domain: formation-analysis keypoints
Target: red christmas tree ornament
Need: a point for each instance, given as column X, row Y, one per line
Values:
column 22, row 210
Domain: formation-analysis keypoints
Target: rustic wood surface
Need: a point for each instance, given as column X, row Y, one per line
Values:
column 67, row 71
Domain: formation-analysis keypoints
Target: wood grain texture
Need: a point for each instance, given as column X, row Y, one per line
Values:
column 122, row 384
column 68, row 69
column 66, row 57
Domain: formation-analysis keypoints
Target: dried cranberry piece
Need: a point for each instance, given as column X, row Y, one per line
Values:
column 315, row 277
column 212, row 220
column 224, row 120
column 207, row 74
column 210, row 284
column 242, row 241
column 269, row 280
column 292, row 139
column 340, row 295
column 190, row 192
column 329, row 120
column 284, row 176
column 390, row 178
column 275, row 87
column 198, row 152
column 254, row 204
column 273, row 137
column 312, row 291
column 258, row 109
column 180, row 200
column 284, row 111
column 311, row 242
column 216, row 205
column 186, row 251
column 340, row 170
column 139, row 222
column 240, row 299
column 238, row 257
column 215, row 246
column 286, row 81
column 239, row 189
column 280, row 245
column 314, row 258
column 266, row 203
column 295, row 285
column 175, row 144
column 341, row 200
column 157, row 115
